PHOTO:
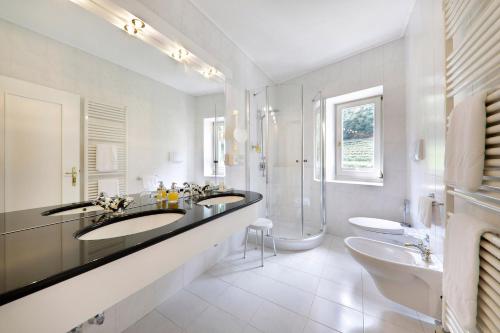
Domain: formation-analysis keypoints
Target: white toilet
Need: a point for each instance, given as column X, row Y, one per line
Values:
column 382, row 230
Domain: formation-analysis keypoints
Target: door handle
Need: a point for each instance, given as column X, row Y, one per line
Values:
column 74, row 174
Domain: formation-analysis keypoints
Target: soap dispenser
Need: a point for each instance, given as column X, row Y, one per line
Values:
column 173, row 194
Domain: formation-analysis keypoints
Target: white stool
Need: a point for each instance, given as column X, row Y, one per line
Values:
column 261, row 224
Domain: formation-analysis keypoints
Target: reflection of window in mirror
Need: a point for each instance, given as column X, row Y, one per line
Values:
column 214, row 148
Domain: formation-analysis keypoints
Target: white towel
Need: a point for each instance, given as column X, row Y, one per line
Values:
column 465, row 140
column 425, row 211
column 461, row 266
column 106, row 157
column 110, row 186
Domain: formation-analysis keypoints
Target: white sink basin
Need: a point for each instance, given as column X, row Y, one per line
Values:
column 223, row 199
column 400, row 273
column 132, row 226
column 80, row 210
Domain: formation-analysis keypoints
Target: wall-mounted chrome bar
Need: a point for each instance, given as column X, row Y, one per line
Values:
column 469, row 198
column 435, row 202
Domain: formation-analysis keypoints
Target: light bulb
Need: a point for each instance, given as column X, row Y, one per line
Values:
column 179, row 54
column 138, row 24
column 130, row 29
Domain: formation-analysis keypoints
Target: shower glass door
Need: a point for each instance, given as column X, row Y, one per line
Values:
column 313, row 205
column 285, row 159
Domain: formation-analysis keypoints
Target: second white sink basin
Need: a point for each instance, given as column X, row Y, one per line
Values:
column 131, row 226
column 79, row 210
column 221, row 199
column 71, row 209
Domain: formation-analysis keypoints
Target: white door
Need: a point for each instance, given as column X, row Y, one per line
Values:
column 40, row 154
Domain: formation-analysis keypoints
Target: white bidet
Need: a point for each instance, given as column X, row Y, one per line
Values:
column 401, row 274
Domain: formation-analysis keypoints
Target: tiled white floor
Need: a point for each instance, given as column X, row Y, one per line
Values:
column 318, row 291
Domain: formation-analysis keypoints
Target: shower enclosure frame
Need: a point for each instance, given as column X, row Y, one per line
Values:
column 305, row 241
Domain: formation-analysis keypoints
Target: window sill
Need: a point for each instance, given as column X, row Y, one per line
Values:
column 368, row 182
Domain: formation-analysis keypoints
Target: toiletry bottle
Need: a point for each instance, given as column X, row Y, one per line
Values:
column 158, row 192
column 161, row 192
column 173, row 195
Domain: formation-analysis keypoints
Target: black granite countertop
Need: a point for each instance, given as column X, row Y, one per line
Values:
column 38, row 251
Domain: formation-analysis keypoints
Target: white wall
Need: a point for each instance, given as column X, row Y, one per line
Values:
column 160, row 117
column 425, row 106
column 384, row 65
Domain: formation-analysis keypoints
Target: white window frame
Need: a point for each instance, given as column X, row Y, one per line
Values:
column 209, row 143
column 374, row 174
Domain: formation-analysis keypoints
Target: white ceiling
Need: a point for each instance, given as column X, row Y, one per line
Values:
column 287, row 38
column 70, row 24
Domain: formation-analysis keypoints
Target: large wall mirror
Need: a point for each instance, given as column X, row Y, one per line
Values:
column 90, row 106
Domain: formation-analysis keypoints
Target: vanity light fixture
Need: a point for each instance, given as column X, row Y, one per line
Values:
column 134, row 26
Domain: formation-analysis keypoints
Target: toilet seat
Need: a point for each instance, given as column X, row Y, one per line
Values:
column 377, row 225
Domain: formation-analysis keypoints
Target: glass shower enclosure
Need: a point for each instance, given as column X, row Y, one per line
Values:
column 287, row 163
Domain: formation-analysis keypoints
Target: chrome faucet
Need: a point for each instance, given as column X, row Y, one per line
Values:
column 194, row 190
column 116, row 204
column 425, row 251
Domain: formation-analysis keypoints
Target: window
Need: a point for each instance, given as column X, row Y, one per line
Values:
column 214, row 148
column 358, row 140
column 353, row 137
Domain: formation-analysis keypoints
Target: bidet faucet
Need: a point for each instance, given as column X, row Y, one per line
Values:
column 425, row 251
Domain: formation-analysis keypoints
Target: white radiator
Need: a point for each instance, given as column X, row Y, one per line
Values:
column 472, row 34
column 488, row 308
column 104, row 124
